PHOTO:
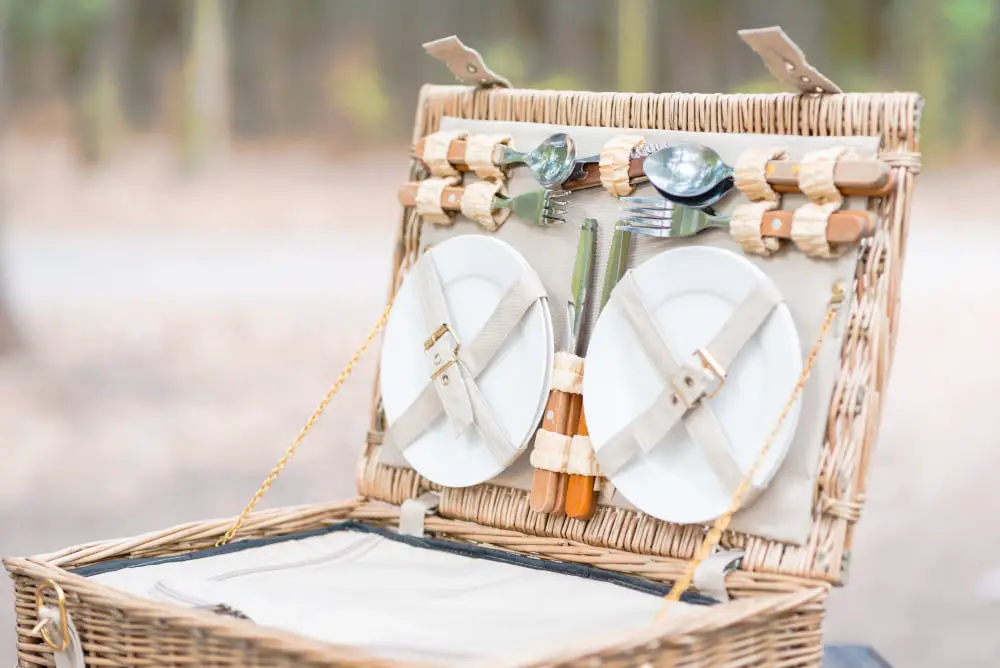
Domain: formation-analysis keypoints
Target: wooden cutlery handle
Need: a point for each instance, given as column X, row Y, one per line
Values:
column 548, row 488
column 451, row 197
column 870, row 177
column 456, row 153
column 845, row 227
column 581, row 500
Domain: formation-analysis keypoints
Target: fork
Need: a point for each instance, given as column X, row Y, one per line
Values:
column 542, row 207
column 656, row 217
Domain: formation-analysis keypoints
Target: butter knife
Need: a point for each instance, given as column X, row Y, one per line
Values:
column 581, row 498
column 562, row 412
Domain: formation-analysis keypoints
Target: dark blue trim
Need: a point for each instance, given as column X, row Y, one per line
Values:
column 461, row 549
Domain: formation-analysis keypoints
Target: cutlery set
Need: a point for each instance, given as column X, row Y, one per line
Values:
column 688, row 182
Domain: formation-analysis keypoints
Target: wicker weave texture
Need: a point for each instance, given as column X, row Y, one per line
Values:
column 778, row 623
column 856, row 404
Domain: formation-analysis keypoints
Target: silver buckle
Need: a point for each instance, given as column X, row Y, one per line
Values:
column 712, row 365
column 442, row 366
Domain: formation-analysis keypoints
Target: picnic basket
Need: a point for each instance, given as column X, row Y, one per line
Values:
column 778, row 592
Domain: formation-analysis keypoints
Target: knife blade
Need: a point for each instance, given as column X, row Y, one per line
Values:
column 581, row 499
column 562, row 411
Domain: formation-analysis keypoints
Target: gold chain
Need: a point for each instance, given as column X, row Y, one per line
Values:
column 714, row 534
column 290, row 452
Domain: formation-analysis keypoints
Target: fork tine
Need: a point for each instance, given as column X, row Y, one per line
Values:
column 657, row 202
column 556, row 207
column 557, row 193
column 663, row 232
column 652, row 223
column 649, row 214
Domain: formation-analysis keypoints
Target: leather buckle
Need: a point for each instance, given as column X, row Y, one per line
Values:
column 711, row 364
column 441, row 365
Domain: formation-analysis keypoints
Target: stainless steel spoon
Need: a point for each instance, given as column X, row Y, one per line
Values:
column 689, row 174
column 551, row 162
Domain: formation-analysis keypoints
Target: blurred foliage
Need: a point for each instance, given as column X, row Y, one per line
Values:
column 349, row 70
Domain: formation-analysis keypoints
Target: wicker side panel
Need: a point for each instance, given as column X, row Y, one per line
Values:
column 777, row 622
column 120, row 630
column 767, row 631
column 856, row 405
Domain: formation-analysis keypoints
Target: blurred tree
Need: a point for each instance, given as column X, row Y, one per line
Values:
column 9, row 336
column 205, row 113
column 99, row 114
column 633, row 41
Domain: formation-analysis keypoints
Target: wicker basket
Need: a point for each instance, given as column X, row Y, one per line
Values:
column 779, row 591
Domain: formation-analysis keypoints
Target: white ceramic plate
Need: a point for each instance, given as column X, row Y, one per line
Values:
column 691, row 292
column 475, row 271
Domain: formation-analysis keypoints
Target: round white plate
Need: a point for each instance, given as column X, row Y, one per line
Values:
column 476, row 271
column 691, row 292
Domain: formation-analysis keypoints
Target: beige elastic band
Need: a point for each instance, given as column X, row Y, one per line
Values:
column 567, row 373
column 551, row 451
column 750, row 177
column 477, row 204
column 616, row 156
column 436, row 147
column 482, row 153
column 810, row 220
column 429, row 193
column 582, row 460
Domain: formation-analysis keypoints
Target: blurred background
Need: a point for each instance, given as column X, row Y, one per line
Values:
column 197, row 204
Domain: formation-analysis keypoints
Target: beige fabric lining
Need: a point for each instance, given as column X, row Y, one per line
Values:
column 615, row 160
column 436, row 147
column 429, row 192
column 481, row 155
column 751, row 179
column 477, row 204
column 810, row 220
column 551, row 451
column 567, row 373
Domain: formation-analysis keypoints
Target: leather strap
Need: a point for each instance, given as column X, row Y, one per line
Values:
column 710, row 576
column 689, row 383
column 454, row 366
column 464, row 62
column 786, row 61
column 72, row 657
column 413, row 511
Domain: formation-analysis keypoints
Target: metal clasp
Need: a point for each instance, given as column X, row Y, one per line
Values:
column 44, row 622
column 712, row 365
column 441, row 365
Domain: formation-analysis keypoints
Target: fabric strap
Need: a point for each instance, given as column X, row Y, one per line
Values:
column 710, row 576
column 810, row 220
column 477, row 204
column 429, row 192
column 688, row 384
column 481, row 154
column 413, row 511
column 616, row 156
column 436, row 146
column 455, row 367
column 72, row 657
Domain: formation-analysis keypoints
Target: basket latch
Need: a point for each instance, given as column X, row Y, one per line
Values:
column 787, row 61
column 465, row 63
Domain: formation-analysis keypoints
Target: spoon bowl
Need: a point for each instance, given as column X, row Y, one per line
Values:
column 551, row 162
column 689, row 173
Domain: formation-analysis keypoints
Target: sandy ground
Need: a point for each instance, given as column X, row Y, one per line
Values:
column 179, row 331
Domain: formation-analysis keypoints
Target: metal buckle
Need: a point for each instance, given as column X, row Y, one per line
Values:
column 712, row 365
column 433, row 339
column 44, row 623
